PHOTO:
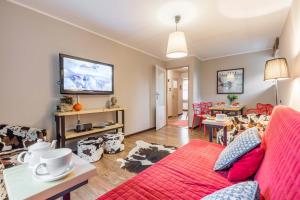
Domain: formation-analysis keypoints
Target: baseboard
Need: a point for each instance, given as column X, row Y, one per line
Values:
column 142, row 131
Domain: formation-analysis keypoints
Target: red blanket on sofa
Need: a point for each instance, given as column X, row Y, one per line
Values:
column 279, row 173
column 188, row 172
column 185, row 174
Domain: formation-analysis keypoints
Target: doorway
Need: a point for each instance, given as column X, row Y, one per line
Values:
column 177, row 96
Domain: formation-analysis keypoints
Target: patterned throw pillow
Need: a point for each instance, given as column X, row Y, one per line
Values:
column 242, row 144
column 248, row 190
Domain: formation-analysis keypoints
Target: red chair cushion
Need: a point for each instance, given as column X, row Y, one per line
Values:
column 247, row 166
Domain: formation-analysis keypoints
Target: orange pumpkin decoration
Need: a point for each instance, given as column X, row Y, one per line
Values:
column 77, row 107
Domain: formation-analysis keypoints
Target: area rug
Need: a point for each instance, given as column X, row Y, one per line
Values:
column 181, row 123
column 143, row 155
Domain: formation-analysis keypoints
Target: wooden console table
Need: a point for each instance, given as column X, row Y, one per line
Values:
column 62, row 135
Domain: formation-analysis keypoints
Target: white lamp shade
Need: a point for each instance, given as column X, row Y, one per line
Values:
column 276, row 69
column 177, row 47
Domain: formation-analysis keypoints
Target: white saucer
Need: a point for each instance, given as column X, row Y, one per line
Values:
column 221, row 120
column 49, row 178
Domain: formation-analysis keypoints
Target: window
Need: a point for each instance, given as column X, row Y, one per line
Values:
column 185, row 89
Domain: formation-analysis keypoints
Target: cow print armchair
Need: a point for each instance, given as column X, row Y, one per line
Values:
column 13, row 140
column 240, row 123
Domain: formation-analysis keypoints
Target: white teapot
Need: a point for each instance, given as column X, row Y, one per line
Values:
column 32, row 156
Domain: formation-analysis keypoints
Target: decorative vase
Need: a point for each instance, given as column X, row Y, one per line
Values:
column 77, row 107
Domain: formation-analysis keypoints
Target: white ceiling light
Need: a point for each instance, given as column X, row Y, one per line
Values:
column 177, row 47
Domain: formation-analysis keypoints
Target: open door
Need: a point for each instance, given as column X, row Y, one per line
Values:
column 160, row 81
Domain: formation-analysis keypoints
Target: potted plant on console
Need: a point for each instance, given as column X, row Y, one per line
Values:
column 232, row 98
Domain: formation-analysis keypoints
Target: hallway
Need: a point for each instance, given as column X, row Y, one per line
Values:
column 180, row 121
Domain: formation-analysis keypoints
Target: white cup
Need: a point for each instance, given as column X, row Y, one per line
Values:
column 54, row 162
column 221, row 117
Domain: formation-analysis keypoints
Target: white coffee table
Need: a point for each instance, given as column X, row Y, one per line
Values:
column 212, row 124
column 20, row 184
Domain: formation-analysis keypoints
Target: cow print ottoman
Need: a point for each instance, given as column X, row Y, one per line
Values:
column 113, row 142
column 90, row 149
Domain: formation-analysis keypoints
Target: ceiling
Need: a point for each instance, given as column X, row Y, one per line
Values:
column 213, row 28
column 181, row 69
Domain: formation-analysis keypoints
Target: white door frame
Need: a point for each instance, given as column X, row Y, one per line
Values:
column 160, row 92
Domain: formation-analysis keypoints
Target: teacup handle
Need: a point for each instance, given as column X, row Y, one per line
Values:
column 21, row 157
column 37, row 167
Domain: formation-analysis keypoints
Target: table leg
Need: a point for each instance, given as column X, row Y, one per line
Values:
column 67, row 196
column 117, row 117
column 58, row 132
column 63, row 131
column 225, row 136
column 123, row 121
column 211, row 132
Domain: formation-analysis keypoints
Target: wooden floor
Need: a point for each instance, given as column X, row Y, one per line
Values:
column 109, row 173
column 182, row 116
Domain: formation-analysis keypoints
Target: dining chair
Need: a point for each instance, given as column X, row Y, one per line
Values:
column 196, row 114
column 204, row 107
column 262, row 109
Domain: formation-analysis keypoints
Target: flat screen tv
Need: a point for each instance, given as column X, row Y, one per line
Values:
column 83, row 76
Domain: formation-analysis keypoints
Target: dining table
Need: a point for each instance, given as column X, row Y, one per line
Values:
column 230, row 110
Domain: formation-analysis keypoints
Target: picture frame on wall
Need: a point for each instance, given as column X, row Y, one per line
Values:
column 230, row 81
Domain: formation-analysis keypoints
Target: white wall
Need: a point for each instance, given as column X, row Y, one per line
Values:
column 255, row 88
column 289, row 90
column 185, row 75
column 171, row 76
column 197, row 80
column 30, row 43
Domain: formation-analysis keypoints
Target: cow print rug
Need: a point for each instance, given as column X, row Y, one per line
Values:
column 144, row 155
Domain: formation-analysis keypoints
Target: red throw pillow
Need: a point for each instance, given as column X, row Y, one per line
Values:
column 247, row 166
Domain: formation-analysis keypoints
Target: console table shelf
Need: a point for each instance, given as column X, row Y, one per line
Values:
column 90, row 111
column 62, row 135
column 72, row 134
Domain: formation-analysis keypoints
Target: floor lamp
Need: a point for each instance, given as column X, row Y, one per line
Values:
column 276, row 69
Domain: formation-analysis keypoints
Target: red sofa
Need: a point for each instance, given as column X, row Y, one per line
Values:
column 188, row 172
